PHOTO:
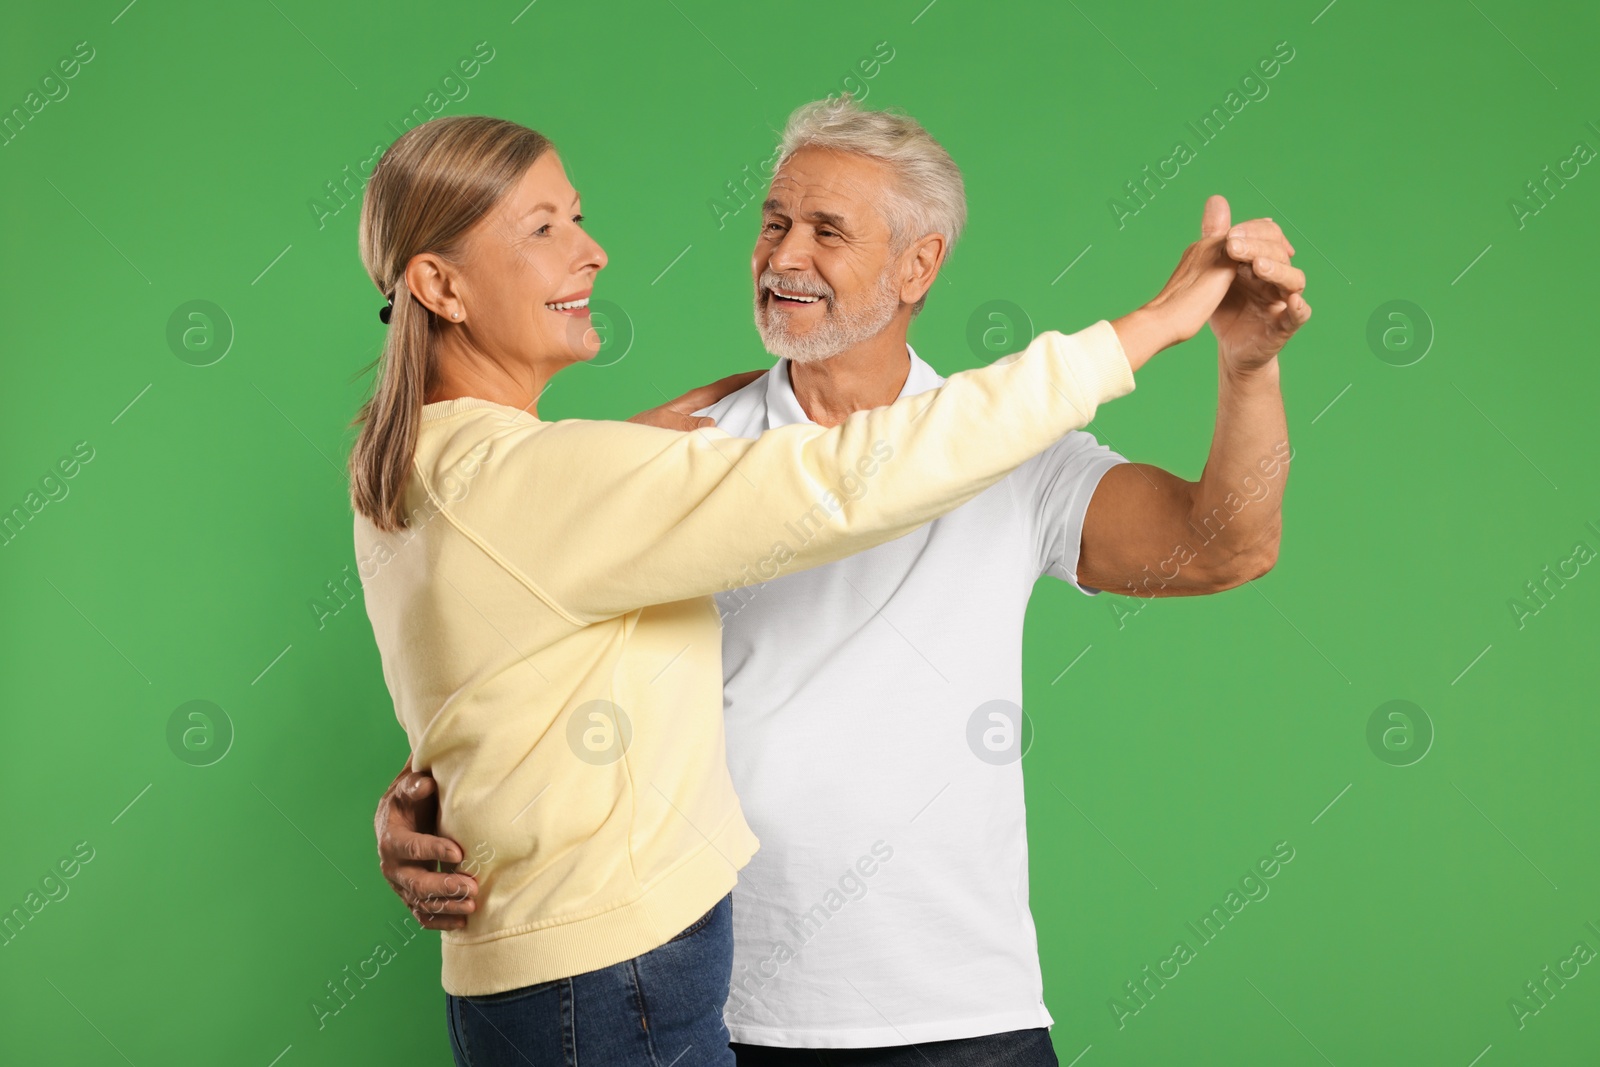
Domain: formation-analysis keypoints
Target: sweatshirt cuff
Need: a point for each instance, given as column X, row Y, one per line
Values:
column 1105, row 373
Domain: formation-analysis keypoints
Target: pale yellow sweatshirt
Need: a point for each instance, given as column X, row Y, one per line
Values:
column 554, row 654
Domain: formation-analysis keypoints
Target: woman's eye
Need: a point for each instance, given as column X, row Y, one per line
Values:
column 578, row 219
column 542, row 231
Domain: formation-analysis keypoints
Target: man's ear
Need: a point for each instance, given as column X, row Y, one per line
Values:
column 432, row 283
column 921, row 263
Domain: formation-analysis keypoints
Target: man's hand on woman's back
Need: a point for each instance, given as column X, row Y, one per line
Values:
column 410, row 855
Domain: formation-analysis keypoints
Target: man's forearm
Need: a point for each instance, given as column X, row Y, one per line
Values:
column 1237, row 513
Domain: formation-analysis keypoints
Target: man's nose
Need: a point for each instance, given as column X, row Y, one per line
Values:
column 793, row 253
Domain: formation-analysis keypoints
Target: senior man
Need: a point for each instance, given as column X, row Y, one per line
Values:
column 873, row 705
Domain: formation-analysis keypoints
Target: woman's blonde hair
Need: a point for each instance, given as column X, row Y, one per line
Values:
column 429, row 188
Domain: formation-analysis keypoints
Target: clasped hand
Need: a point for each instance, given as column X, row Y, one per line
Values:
column 1240, row 281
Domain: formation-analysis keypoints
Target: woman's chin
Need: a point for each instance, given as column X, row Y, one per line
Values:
column 583, row 341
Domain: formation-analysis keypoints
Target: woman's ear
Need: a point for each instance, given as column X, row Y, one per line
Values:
column 432, row 284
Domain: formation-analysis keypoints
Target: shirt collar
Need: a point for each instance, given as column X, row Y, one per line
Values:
column 783, row 408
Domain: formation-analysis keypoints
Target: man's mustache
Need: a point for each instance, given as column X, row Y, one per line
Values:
column 795, row 284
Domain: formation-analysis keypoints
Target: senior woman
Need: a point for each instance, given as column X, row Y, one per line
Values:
column 541, row 591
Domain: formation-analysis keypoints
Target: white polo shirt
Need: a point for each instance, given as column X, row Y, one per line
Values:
column 874, row 735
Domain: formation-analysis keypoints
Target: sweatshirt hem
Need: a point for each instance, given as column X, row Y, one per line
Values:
column 649, row 921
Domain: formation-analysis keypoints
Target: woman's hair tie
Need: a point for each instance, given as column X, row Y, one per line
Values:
column 387, row 309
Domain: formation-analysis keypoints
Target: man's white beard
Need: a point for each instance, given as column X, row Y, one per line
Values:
column 838, row 331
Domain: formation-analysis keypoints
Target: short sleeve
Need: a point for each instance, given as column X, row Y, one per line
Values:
column 1061, row 480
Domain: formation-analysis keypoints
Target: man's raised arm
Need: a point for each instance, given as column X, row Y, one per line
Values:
column 1148, row 532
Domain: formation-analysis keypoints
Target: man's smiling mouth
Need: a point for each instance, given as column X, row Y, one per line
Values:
column 782, row 297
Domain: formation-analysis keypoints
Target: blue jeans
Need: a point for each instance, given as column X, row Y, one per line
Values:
column 1018, row 1048
column 661, row 1009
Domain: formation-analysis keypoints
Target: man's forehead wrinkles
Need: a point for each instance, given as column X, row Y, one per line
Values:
column 847, row 196
column 849, row 186
column 847, row 175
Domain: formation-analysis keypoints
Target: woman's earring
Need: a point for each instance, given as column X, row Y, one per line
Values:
column 455, row 314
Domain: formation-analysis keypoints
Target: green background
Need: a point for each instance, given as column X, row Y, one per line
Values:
column 1190, row 737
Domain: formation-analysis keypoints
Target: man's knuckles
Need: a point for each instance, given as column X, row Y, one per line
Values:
column 416, row 848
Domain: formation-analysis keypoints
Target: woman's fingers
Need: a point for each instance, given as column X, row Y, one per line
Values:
column 1261, row 229
column 1246, row 249
column 678, row 414
column 705, row 395
column 1286, row 278
column 1215, row 217
column 667, row 419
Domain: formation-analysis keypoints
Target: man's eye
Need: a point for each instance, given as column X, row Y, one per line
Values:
column 826, row 233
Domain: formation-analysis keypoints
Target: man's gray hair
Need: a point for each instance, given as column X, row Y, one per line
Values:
column 928, row 195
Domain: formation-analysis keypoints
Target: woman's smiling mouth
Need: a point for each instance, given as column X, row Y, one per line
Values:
column 574, row 306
